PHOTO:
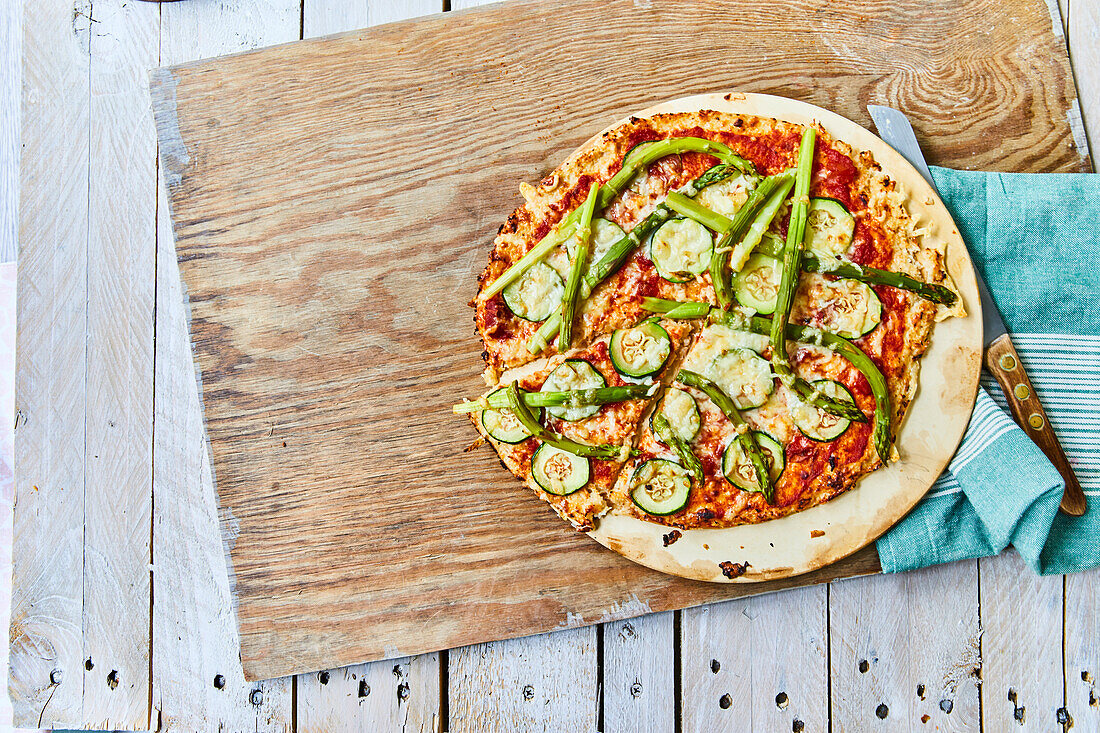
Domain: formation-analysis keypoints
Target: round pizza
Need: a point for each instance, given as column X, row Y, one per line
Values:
column 705, row 319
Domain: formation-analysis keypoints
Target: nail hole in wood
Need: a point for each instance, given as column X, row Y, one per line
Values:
column 781, row 700
column 725, row 701
column 627, row 632
column 715, row 665
column 920, row 691
column 322, row 677
column 364, row 688
column 882, row 711
column 397, row 671
column 256, row 697
column 1011, row 695
column 864, row 665
column 798, row 726
column 1062, row 716
column 1018, row 714
column 56, row 676
column 88, row 664
column 403, row 692
column 946, row 705
column 528, row 692
column 219, row 682
column 112, row 679
column 1085, row 676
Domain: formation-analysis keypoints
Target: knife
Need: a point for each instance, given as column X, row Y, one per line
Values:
column 1001, row 358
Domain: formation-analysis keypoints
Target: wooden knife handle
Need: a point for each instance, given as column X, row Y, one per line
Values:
column 1004, row 363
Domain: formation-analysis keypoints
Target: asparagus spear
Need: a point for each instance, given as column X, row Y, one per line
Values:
column 721, row 259
column 871, row 275
column 533, row 426
column 883, row 413
column 805, row 390
column 760, row 224
column 694, row 210
column 745, row 436
column 576, row 269
column 668, row 436
column 608, row 191
column 618, row 253
column 792, row 255
column 566, row 398
column 675, row 309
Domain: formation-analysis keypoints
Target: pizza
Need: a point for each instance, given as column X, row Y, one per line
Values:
column 705, row 319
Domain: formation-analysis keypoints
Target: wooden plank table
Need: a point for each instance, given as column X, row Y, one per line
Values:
column 121, row 605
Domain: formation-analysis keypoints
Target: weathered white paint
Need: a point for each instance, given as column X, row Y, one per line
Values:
column 1022, row 685
column 122, row 42
column 767, row 653
column 639, row 675
column 194, row 631
column 545, row 682
column 47, row 596
column 11, row 64
column 909, row 642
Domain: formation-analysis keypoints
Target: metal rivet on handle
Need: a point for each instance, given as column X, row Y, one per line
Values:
column 1021, row 391
column 1008, row 363
column 1035, row 420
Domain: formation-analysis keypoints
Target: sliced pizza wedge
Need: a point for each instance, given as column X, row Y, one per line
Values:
column 725, row 407
column 590, row 396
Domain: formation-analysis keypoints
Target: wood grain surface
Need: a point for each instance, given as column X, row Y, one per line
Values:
column 329, row 238
column 198, row 683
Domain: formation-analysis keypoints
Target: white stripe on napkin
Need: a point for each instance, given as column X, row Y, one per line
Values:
column 1065, row 371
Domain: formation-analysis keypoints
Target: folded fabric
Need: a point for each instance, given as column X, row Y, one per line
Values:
column 1035, row 239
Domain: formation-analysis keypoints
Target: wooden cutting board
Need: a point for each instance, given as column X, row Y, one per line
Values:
column 332, row 203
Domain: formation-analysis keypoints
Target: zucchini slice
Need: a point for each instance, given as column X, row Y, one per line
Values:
column 682, row 413
column 727, row 197
column 536, row 294
column 738, row 469
column 503, row 426
column 559, row 472
column 829, row 227
column 660, row 487
column 744, row 375
column 604, row 234
column 573, row 374
column 640, row 351
column 681, row 249
column 816, row 424
column 757, row 285
column 852, row 308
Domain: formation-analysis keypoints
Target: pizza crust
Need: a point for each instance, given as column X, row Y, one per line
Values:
column 918, row 248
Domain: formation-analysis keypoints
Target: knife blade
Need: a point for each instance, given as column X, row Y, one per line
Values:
column 1001, row 358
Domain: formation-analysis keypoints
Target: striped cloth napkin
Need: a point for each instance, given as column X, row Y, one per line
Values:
column 1037, row 242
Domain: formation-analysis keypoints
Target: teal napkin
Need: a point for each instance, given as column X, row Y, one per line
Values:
column 1036, row 240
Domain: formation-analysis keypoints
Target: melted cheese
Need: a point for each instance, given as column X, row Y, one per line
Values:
column 681, row 246
column 535, row 295
column 727, row 197
column 828, row 233
column 604, row 234
column 850, row 308
column 716, row 339
column 743, row 375
column 679, row 407
column 572, row 375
